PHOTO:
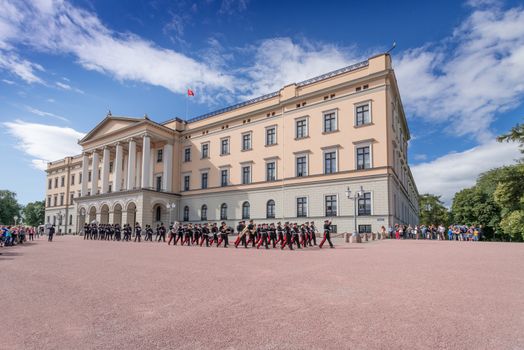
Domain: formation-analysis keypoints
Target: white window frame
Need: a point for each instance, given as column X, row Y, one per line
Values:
column 250, row 133
column 324, row 113
column 360, row 145
column 274, row 126
column 328, row 150
column 271, row 160
column 246, row 165
column 305, row 154
column 208, row 150
column 190, row 155
column 306, row 118
column 202, row 172
column 324, row 204
column 307, row 206
column 372, row 204
column 228, row 181
column 228, row 145
column 359, row 104
column 183, row 181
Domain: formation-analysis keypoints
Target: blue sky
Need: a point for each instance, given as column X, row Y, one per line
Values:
column 63, row 64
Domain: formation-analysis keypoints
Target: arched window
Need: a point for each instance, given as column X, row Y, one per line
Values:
column 186, row 213
column 158, row 213
column 223, row 211
column 270, row 209
column 203, row 213
column 245, row 210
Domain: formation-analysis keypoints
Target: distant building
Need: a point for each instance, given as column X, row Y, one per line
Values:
column 286, row 156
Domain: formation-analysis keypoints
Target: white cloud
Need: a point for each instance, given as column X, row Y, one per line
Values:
column 280, row 61
column 65, row 86
column 7, row 81
column 46, row 114
column 469, row 77
column 450, row 173
column 44, row 143
column 24, row 69
column 57, row 27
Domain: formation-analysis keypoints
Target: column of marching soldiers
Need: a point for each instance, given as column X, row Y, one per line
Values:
column 250, row 234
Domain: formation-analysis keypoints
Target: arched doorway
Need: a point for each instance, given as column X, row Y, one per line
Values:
column 131, row 214
column 159, row 214
column 92, row 214
column 104, row 214
column 117, row 214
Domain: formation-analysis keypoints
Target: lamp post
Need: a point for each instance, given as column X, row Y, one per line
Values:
column 16, row 219
column 59, row 221
column 171, row 207
column 355, row 198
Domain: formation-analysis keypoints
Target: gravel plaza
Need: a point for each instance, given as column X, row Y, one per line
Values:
column 76, row 294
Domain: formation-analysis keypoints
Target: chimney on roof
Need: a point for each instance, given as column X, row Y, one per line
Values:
column 146, row 116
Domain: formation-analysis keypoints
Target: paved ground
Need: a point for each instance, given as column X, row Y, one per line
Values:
column 75, row 294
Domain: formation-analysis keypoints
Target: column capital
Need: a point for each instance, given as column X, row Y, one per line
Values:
column 118, row 143
column 146, row 134
column 131, row 139
column 95, row 151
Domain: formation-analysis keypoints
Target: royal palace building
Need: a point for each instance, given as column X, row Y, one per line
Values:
column 290, row 155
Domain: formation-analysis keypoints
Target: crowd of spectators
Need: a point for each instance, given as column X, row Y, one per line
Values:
column 433, row 232
column 13, row 235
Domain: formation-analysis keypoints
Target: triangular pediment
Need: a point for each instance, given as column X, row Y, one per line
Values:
column 110, row 125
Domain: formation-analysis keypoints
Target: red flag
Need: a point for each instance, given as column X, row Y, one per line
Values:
column 190, row 92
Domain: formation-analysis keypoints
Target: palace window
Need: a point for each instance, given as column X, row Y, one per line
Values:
column 331, row 205
column 72, row 179
column 364, row 228
column 205, row 150
column 271, row 136
column 246, row 174
column 186, row 213
column 330, row 121
column 271, row 171
column 204, row 180
column 62, row 181
column 302, row 207
column 301, row 128
column 224, row 146
column 186, row 182
column 159, row 155
column 270, row 209
column 301, row 165
column 245, row 210
column 50, row 184
column 363, row 158
column 224, row 175
column 330, row 162
column 223, row 211
column 362, row 114
column 187, row 154
column 246, row 141
column 203, row 213
column 364, row 204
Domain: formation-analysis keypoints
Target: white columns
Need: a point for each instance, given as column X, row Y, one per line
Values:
column 117, row 167
column 167, row 157
column 125, row 170
column 94, row 174
column 105, row 170
column 151, row 168
column 146, row 162
column 131, row 165
column 85, row 170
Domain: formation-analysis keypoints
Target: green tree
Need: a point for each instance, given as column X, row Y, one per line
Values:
column 9, row 207
column 516, row 134
column 432, row 210
column 34, row 213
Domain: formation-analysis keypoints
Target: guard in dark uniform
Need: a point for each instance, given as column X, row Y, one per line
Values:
column 180, row 233
column 51, row 233
column 149, row 233
column 86, row 231
column 240, row 237
column 296, row 235
column 287, row 237
column 224, row 231
column 303, row 235
column 273, row 235
column 313, row 232
column 205, row 235
column 214, row 231
column 138, row 232
column 118, row 233
column 263, row 236
column 280, row 234
column 162, row 233
column 327, row 234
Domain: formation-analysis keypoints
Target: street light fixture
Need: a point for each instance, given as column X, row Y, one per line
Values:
column 355, row 198
column 16, row 219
